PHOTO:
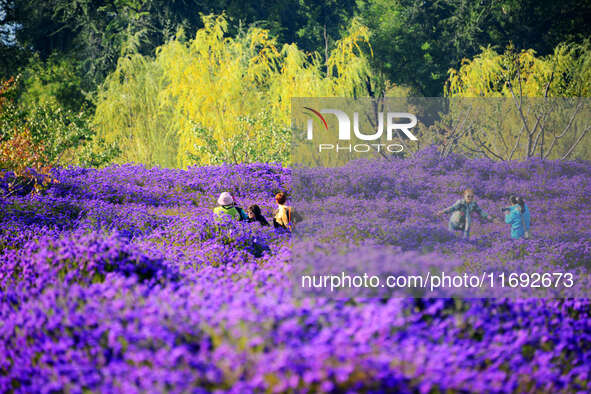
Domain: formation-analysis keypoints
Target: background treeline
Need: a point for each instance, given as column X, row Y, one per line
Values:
column 89, row 82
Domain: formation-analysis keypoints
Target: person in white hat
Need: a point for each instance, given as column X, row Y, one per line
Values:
column 226, row 206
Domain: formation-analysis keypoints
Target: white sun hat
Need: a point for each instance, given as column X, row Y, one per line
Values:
column 225, row 199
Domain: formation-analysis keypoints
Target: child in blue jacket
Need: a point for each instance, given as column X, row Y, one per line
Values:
column 518, row 217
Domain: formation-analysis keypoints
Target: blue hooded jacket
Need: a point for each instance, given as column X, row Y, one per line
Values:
column 526, row 218
column 516, row 219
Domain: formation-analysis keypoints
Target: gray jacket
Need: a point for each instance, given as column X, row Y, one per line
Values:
column 465, row 210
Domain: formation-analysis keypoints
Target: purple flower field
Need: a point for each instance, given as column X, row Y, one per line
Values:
column 120, row 280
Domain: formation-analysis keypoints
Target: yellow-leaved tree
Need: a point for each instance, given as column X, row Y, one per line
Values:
column 216, row 98
column 515, row 105
column 130, row 112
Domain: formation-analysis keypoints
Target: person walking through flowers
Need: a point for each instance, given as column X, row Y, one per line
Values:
column 461, row 213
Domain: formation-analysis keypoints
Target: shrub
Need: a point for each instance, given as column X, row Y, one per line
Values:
column 35, row 140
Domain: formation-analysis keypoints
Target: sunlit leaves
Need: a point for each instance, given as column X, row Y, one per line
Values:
column 213, row 98
column 490, row 73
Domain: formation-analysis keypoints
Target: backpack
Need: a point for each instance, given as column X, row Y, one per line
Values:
column 458, row 220
column 292, row 218
column 242, row 215
column 233, row 212
column 289, row 222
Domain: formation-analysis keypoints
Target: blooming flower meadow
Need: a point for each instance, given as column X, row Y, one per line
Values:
column 120, row 279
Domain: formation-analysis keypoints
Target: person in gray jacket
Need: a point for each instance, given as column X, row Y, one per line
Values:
column 461, row 218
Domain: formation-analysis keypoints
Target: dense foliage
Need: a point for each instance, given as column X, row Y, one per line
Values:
column 47, row 136
column 564, row 73
column 215, row 99
column 119, row 280
column 95, row 32
column 548, row 126
column 125, row 58
column 416, row 42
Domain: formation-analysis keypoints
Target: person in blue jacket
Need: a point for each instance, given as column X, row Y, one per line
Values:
column 518, row 217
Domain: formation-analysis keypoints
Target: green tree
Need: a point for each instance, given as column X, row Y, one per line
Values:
column 96, row 31
column 11, row 55
column 540, row 25
column 36, row 140
column 416, row 42
column 56, row 82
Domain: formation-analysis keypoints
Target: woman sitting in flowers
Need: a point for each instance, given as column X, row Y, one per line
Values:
column 518, row 217
column 284, row 216
column 460, row 220
column 254, row 215
column 227, row 206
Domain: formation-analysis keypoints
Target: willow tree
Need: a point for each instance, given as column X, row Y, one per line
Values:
column 130, row 112
column 540, row 108
column 227, row 99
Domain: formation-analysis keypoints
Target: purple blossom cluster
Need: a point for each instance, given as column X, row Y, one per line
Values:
column 121, row 280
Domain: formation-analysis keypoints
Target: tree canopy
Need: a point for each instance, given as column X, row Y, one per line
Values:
column 415, row 42
column 192, row 81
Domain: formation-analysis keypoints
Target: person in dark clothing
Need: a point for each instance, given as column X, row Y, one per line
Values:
column 254, row 215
